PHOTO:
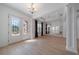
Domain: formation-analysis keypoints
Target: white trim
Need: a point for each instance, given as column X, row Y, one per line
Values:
column 72, row 50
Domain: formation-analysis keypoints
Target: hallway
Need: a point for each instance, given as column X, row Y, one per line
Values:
column 45, row 45
column 39, row 31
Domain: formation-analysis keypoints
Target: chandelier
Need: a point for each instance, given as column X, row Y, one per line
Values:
column 32, row 8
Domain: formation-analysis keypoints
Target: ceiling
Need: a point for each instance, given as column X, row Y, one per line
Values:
column 42, row 8
column 45, row 8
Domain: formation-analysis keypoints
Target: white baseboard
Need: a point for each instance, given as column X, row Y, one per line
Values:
column 72, row 50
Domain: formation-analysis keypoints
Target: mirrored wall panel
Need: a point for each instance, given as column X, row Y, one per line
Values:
column 25, row 27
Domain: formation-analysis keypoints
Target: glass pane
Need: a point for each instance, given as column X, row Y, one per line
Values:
column 39, row 28
column 15, row 25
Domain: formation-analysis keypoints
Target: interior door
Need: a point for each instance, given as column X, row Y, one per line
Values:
column 41, row 28
column 14, row 29
column 36, row 28
column 46, row 28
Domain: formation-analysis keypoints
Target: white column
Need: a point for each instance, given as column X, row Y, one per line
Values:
column 32, row 30
column 71, row 41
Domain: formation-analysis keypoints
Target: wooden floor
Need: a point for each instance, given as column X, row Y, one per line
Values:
column 45, row 45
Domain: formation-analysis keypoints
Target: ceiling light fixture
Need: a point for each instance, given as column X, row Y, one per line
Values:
column 32, row 8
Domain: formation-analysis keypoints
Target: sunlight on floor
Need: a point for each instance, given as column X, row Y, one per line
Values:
column 32, row 40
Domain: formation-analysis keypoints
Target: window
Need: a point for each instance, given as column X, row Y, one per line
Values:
column 15, row 25
column 39, row 28
column 48, row 29
column 55, row 29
